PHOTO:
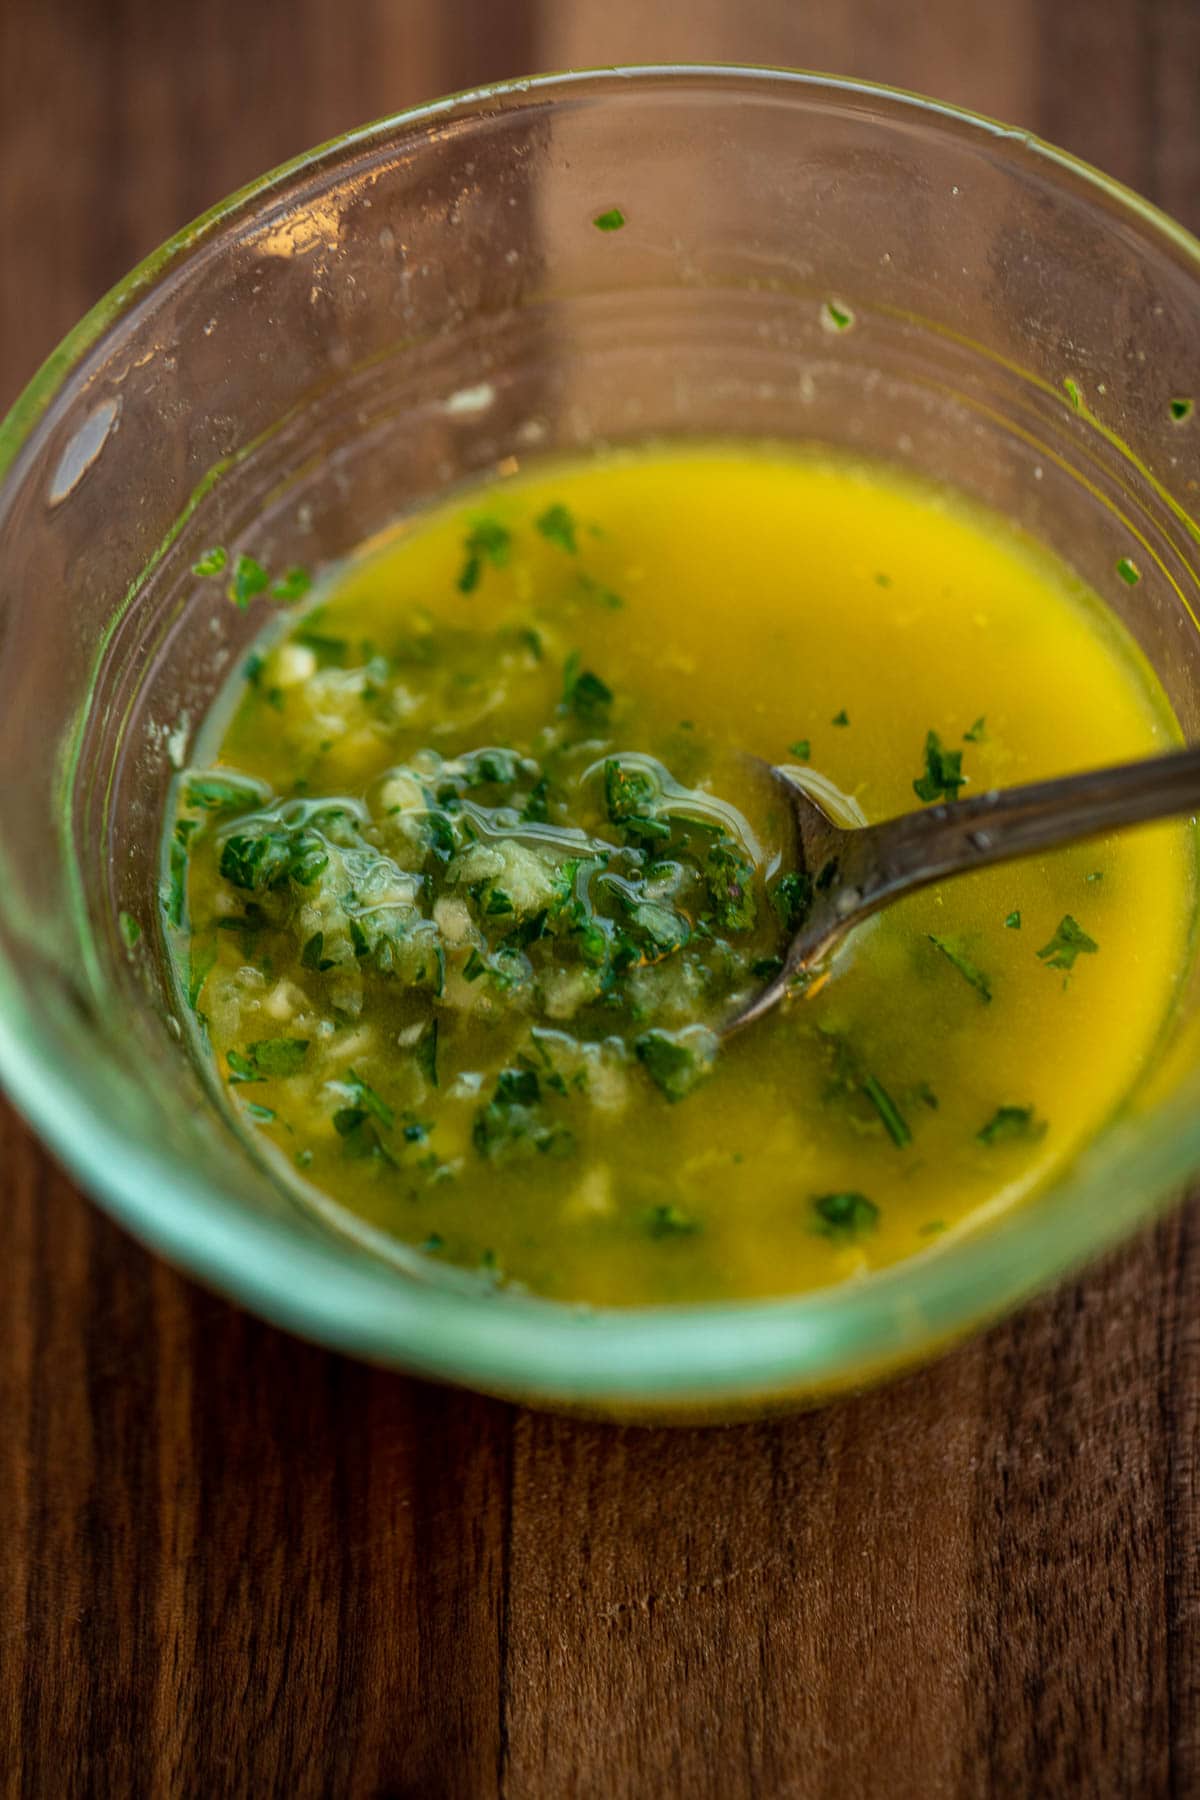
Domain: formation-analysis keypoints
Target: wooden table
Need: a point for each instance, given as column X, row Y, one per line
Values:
column 233, row 1564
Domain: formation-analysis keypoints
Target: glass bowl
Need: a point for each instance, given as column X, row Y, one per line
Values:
column 427, row 300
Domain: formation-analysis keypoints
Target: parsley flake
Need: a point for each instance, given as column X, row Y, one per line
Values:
column 249, row 578
column 487, row 541
column 1070, row 940
column 943, row 772
column 1128, row 570
column 612, row 220
column 212, row 562
column 836, row 316
column 976, row 734
column 674, row 1067
column 1182, row 409
column 971, row 975
column 278, row 1056
column 670, row 1221
column 584, row 694
column 844, row 1217
column 801, row 749
column 557, row 526
column 1010, row 1123
column 1013, row 921
column 894, row 1121
column 293, row 584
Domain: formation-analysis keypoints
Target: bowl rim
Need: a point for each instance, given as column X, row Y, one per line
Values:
column 519, row 1345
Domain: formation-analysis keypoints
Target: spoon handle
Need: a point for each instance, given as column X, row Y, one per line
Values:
column 921, row 847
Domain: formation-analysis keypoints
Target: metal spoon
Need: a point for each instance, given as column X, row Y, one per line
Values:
column 856, row 871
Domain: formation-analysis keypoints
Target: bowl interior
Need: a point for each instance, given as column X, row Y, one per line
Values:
column 428, row 302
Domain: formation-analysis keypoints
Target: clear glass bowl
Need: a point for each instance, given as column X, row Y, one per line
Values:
column 411, row 306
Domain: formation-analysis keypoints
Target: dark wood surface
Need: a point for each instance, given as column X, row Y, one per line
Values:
column 233, row 1564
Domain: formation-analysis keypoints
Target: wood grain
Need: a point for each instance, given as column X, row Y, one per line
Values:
column 234, row 1564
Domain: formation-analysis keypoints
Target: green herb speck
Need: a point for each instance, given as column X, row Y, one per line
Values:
column 894, row 1121
column 1071, row 389
column 844, row 1217
column 487, row 541
column 293, row 584
column 584, row 694
column 1013, row 921
column 943, row 772
column 131, row 931
column 836, row 316
column 976, row 733
column 1182, row 409
column 674, row 1067
column 970, row 974
column 249, row 578
column 670, row 1221
column 1128, row 570
column 1070, row 940
column 278, row 1056
column 557, row 526
column 612, row 220
column 801, row 749
column 212, row 562
column 1009, row 1123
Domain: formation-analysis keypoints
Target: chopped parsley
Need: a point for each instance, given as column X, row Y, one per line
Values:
column 835, row 316
column 278, row 1056
column 557, row 526
column 365, row 1104
column 670, row 1221
column 1072, row 391
column 842, row 718
column 249, row 578
column 801, row 749
column 674, row 1067
column 487, row 542
column 974, row 977
column 131, row 931
column 943, row 772
column 200, row 965
column 1070, row 940
column 212, row 562
column 173, row 893
column 792, row 898
column 1182, row 409
column 1013, row 921
column 221, row 793
column 844, row 1217
column 894, row 1121
column 977, row 733
column 729, row 877
column 1128, row 570
column 630, row 792
column 514, row 1123
column 612, row 220
column 292, row 585
column 584, row 694
column 1009, row 1124
column 426, row 1053
column 268, row 1058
